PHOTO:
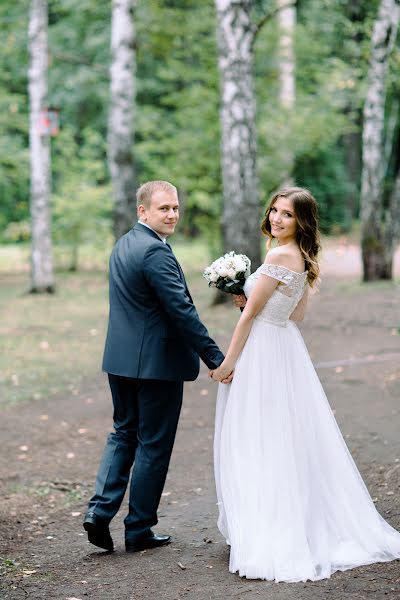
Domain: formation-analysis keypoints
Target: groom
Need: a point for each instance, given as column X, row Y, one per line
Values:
column 154, row 342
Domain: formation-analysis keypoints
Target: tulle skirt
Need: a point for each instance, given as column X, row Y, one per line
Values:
column 292, row 504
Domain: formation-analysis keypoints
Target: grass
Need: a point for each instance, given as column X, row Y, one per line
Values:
column 53, row 344
column 15, row 258
column 50, row 343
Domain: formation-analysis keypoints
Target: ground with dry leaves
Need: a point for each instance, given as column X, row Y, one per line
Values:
column 50, row 450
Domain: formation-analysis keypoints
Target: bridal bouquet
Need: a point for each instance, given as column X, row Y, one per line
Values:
column 228, row 273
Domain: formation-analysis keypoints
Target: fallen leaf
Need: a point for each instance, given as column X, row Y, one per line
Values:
column 28, row 572
column 44, row 417
column 70, row 455
column 181, row 566
column 23, row 448
column 76, row 514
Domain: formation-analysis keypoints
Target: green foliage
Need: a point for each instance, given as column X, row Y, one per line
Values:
column 324, row 175
column 17, row 231
column 177, row 136
column 177, row 132
column 82, row 205
column 82, row 215
column 14, row 157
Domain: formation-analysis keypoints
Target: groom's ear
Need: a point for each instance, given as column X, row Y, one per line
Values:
column 141, row 212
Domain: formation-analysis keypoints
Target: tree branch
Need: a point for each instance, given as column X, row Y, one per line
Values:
column 269, row 16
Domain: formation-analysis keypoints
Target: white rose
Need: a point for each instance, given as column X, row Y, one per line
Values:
column 239, row 264
column 214, row 277
column 231, row 273
column 223, row 271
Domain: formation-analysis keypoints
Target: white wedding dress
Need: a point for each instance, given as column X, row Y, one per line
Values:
column 292, row 504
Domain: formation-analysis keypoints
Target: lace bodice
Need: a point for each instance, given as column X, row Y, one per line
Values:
column 285, row 297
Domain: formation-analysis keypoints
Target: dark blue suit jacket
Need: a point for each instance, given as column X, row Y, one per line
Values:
column 154, row 331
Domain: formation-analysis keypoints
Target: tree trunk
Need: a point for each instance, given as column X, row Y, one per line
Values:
column 356, row 11
column 120, row 123
column 42, row 276
column 241, row 211
column 375, row 238
column 287, row 72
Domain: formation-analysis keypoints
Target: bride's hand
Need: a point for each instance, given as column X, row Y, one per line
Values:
column 229, row 378
column 239, row 300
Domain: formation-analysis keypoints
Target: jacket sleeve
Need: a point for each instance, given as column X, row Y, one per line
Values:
column 162, row 273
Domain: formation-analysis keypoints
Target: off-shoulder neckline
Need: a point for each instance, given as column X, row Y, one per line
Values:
column 282, row 267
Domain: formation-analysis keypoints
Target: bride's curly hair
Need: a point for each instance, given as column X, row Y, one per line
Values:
column 307, row 232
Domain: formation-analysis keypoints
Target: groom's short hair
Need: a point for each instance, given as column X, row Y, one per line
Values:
column 146, row 191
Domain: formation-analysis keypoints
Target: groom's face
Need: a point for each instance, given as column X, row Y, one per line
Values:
column 163, row 213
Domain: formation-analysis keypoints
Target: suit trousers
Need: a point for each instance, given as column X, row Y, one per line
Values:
column 146, row 414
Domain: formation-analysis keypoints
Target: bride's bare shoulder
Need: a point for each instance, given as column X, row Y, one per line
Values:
column 285, row 257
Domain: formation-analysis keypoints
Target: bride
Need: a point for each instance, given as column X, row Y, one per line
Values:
column 292, row 504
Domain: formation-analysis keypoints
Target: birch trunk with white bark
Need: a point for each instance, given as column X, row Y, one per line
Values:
column 241, row 210
column 42, row 275
column 121, row 115
column 377, row 231
column 287, row 73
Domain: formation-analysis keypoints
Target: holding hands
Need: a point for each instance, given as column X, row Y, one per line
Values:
column 224, row 373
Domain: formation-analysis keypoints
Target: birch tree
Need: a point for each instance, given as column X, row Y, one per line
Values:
column 241, row 208
column 287, row 75
column 378, row 230
column 42, row 277
column 121, row 114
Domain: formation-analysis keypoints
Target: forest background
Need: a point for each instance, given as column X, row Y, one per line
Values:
column 176, row 119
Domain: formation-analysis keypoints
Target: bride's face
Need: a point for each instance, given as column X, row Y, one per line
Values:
column 282, row 219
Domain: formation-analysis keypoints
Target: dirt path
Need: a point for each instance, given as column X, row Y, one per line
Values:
column 50, row 453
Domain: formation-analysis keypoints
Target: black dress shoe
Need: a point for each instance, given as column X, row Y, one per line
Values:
column 150, row 541
column 98, row 531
